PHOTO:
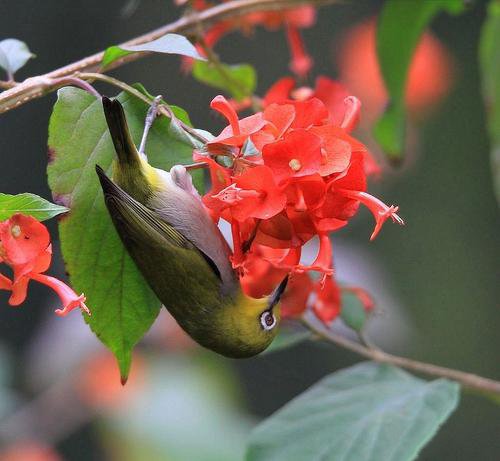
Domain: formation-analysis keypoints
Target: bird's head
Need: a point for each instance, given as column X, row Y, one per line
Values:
column 246, row 327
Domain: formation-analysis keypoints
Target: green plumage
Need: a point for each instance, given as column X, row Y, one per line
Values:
column 179, row 250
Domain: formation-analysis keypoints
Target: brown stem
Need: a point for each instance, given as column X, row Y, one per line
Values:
column 7, row 84
column 195, row 166
column 75, row 81
column 467, row 380
column 36, row 87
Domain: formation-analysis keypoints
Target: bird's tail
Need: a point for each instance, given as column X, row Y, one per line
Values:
column 127, row 153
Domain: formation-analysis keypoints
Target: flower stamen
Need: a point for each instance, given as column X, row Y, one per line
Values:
column 15, row 231
column 233, row 194
column 295, row 164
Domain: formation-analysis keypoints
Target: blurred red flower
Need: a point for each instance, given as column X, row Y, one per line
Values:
column 429, row 79
column 98, row 381
column 292, row 19
column 28, row 450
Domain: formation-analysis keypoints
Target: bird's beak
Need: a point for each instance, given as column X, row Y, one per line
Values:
column 278, row 292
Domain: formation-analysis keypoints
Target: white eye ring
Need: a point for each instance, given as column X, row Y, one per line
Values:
column 267, row 320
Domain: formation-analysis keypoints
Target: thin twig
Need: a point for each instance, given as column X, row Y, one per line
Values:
column 467, row 380
column 164, row 110
column 35, row 87
column 75, row 81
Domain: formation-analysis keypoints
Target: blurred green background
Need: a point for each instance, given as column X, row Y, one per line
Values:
column 442, row 269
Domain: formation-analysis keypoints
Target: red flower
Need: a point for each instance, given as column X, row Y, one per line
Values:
column 292, row 19
column 238, row 130
column 333, row 95
column 298, row 154
column 323, row 262
column 280, row 92
column 5, row 283
column 308, row 113
column 23, row 239
column 219, row 179
column 301, row 17
column 306, row 193
column 25, row 247
column 293, row 172
column 429, row 76
column 301, row 63
column 363, row 296
column 254, row 194
column 294, row 300
column 265, row 268
column 28, row 450
column 343, row 111
column 327, row 305
column 342, row 108
column 324, row 298
column 336, row 149
column 381, row 212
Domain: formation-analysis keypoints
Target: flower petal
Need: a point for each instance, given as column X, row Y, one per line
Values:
column 323, row 261
column 336, row 150
column 327, row 305
column 70, row 300
column 332, row 94
column 5, row 283
column 381, row 212
column 309, row 113
column 294, row 300
column 23, row 239
column 298, row 154
column 19, row 291
column 268, row 201
column 279, row 92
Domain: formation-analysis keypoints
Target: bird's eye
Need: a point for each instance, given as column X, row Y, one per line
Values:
column 267, row 320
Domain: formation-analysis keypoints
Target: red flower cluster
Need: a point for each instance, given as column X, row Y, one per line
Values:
column 334, row 96
column 25, row 247
column 282, row 177
column 292, row 19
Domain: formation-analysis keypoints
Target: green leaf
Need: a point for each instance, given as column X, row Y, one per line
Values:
column 400, row 26
column 28, row 204
column 238, row 80
column 123, row 306
column 490, row 73
column 353, row 312
column 167, row 44
column 177, row 131
column 14, row 54
column 369, row 412
column 288, row 337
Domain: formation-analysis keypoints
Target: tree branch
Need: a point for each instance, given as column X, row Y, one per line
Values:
column 35, row 87
column 467, row 380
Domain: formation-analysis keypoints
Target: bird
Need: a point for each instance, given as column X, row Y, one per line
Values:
column 179, row 249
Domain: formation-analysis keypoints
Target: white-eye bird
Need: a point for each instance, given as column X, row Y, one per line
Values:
column 180, row 251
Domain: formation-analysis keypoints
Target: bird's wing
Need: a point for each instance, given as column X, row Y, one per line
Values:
column 135, row 221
